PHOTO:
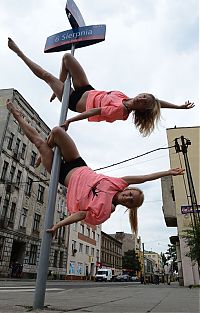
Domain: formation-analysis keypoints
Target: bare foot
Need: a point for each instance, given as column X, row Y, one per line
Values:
column 10, row 106
column 12, row 45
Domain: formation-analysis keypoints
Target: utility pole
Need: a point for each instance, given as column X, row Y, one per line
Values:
column 77, row 37
column 183, row 147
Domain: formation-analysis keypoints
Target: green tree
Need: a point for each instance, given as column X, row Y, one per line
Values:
column 192, row 239
column 163, row 257
column 130, row 261
column 172, row 256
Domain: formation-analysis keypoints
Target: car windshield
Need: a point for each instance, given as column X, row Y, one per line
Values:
column 102, row 273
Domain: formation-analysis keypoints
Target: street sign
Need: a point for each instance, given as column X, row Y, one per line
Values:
column 186, row 209
column 74, row 15
column 81, row 37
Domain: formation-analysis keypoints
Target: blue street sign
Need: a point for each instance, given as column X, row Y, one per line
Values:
column 81, row 37
column 74, row 15
column 185, row 209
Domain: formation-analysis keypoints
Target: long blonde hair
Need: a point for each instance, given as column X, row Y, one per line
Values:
column 133, row 219
column 145, row 121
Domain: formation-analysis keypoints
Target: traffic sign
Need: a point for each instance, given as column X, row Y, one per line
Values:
column 81, row 37
column 185, row 209
column 74, row 15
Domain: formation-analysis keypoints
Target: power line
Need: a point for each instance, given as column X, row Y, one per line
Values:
column 133, row 158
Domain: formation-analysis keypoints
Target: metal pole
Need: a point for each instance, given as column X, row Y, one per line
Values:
column 49, row 217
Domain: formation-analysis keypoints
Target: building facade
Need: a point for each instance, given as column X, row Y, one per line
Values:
column 23, row 197
column 111, row 253
column 176, row 197
column 84, row 251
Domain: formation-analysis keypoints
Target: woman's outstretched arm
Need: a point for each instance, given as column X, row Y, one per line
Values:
column 144, row 178
column 168, row 105
column 73, row 218
column 81, row 116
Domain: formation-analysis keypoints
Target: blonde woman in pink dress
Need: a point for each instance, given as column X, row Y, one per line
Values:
column 96, row 105
column 90, row 196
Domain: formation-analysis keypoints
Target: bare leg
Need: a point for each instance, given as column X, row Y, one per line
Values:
column 71, row 65
column 45, row 151
column 65, row 143
column 55, row 84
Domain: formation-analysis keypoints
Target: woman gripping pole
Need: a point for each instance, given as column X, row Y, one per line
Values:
column 90, row 196
column 96, row 105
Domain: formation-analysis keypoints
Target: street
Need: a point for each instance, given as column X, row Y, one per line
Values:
column 86, row 296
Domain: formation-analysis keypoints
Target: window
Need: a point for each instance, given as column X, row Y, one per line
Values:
column 40, row 195
column 72, row 267
column 61, row 259
column 86, row 249
column 12, row 172
column 10, row 141
column 97, row 253
column 12, row 215
column 23, row 217
column 80, row 268
column 82, row 229
column 33, row 158
column 4, row 170
column 28, row 186
column 93, row 234
column 1, row 247
column 73, row 247
column 23, row 151
column 16, row 150
column 97, row 237
column 55, row 258
column 88, row 232
column 92, row 251
column 33, row 255
column 5, row 209
column 80, row 247
column 19, row 174
column 36, row 222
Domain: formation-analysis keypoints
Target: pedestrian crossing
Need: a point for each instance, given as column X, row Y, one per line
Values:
column 9, row 289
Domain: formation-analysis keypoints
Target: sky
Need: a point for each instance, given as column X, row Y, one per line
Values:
column 150, row 46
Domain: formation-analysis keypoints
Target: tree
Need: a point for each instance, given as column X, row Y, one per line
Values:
column 163, row 257
column 172, row 256
column 130, row 261
column 192, row 239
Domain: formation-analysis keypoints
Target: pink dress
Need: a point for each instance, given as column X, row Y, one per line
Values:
column 111, row 104
column 92, row 192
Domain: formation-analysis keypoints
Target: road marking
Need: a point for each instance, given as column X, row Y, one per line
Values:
column 18, row 289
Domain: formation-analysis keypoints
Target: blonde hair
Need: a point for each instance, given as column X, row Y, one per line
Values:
column 145, row 121
column 133, row 211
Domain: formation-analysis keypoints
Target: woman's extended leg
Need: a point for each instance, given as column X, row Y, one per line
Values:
column 69, row 64
column 44, row 150
column 55, row 84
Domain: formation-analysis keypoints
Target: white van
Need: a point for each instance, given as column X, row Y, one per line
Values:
column 104, row 274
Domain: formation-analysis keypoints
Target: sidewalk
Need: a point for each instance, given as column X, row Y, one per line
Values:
column 128, row 298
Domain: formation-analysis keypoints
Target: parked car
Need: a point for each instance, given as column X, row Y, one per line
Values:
column 123, row 277
column 134, row 278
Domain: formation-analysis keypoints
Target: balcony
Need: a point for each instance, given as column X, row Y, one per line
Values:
column 169, row 204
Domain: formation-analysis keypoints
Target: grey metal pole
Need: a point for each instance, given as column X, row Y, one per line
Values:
column 49, row 217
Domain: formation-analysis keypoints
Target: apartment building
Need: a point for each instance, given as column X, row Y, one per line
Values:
column 111, row 253
column 84, row 251
column 23, row 196
column 176, row 197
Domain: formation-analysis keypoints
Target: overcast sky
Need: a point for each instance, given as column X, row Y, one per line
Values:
column 151, row 46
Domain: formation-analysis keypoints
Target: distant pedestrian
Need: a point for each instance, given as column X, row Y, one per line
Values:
column 167, row 278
